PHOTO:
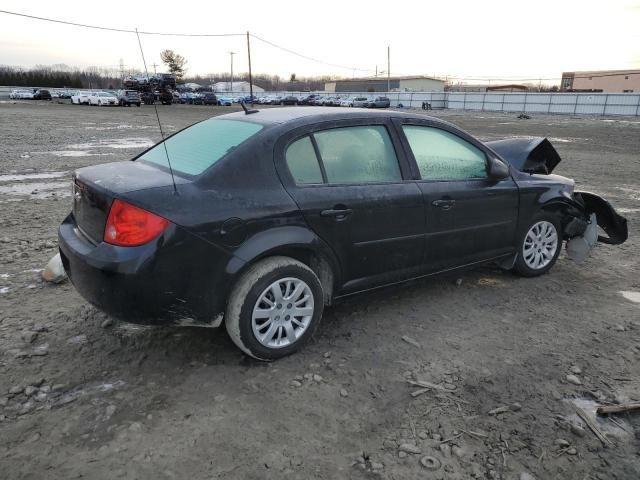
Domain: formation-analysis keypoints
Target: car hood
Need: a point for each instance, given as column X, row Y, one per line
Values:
column 530, row 155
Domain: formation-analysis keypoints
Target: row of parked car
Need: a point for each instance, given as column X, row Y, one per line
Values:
column 330, row 101
column 128, row 97
column 35, row 94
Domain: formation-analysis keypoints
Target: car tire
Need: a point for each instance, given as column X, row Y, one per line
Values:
column 256, row 287
column 539, row 246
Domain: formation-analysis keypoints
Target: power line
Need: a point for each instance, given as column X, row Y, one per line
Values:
column 121, row 30
column 301, row 55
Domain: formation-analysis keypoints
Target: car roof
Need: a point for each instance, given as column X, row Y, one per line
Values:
column 306, row 115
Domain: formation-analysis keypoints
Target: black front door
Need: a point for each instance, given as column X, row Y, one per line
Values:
column 350, row 187
column 470, row 217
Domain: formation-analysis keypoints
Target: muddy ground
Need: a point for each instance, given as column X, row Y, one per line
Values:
column 82, row 397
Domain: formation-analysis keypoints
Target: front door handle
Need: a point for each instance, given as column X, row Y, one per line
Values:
column 444, row 204
column 338, row 213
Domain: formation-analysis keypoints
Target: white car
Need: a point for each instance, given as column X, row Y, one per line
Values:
column 81, row 97
column 361, row 101
column 103, row 99
column 346, row 102
column 21, row 94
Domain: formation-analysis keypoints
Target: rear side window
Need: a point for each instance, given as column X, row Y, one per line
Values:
column 196, row 148
column 302, row 162
column 441, row 155
column 358, row 155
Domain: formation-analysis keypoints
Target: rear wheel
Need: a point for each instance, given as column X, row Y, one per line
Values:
column 275, row 308
column 539, row 246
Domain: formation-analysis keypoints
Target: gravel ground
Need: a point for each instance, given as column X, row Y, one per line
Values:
column 83, row 396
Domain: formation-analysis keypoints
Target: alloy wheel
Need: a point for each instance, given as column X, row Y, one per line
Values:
column 540, row 245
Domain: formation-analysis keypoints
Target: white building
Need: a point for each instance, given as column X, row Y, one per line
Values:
column 238, row 87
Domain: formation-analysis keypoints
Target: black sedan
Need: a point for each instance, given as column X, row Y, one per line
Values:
column 263, row 218
column 42, row 94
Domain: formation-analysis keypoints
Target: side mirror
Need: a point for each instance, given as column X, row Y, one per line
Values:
column 498, row 170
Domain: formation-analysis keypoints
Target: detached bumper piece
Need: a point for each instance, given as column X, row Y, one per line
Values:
column 584, row 234
column 614, row 225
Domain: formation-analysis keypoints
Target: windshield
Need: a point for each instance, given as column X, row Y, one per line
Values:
column 196, row 148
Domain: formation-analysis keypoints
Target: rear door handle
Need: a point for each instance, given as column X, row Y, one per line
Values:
column 338, row 213
column 444, row 204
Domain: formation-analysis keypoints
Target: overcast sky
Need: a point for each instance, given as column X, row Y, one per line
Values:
column 466, row 38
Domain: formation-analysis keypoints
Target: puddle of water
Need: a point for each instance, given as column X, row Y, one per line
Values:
column 631, row 296
column 628, row 210
column 30, row 176
column 116, row 143
column 560, row 140
column 622, row 431
column 33, row 270
column 72, row 153
column 120, row 127
column 37, row 189
column 4, row 289
column 4, row 275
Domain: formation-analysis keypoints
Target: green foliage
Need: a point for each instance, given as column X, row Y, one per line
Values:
column 175, row 63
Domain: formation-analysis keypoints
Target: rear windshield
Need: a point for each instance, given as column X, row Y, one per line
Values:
column 196, row 148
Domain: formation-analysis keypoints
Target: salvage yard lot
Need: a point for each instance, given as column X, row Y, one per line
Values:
column 107, row 400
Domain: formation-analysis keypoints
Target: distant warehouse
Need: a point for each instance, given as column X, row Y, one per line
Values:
column 609, row 81
column 380, row 84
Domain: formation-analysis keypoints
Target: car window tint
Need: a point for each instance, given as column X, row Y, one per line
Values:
column 441, row 155
column 358, row 155
column 196, row 148
column 302, row 162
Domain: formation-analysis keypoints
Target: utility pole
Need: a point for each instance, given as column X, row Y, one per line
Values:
column 388, row 68
column 154, row 65
column 231, row 54
column 250, row 78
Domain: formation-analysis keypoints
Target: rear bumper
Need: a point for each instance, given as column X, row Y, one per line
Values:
column 164, row 282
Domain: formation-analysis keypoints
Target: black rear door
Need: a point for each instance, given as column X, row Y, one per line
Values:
column 470, row 217
column 348, row 178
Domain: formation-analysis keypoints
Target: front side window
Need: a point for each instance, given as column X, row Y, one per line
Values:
column 441, row 155
column 196, row 148
column 358, row 155
column 302, row 162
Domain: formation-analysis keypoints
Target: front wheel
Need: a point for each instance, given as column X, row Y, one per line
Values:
column 539, row 246
column 275, row 308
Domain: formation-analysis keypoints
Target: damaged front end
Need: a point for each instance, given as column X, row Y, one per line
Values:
column 583, row 213
column 582, row 231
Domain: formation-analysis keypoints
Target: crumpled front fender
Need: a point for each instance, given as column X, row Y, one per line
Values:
column 614, row 224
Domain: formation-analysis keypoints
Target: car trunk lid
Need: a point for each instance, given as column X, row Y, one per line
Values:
column 95, row 188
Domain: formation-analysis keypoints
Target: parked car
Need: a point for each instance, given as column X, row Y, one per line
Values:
column 42, row 94
column 346, row 102
column 126, row 98
column 379, row 102
column 209, row 99
column 309, row 99
column 197, row 98
column 360, row 102
column 21, row 94
column 103, row 99
column 81, row 97
column 247, row 243
column 64, row 93
column 224, row 101
column 290, row 100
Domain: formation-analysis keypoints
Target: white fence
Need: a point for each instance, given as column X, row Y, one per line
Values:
column 548, row 103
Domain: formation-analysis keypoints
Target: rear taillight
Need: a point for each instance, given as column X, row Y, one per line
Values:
column 129, row 226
